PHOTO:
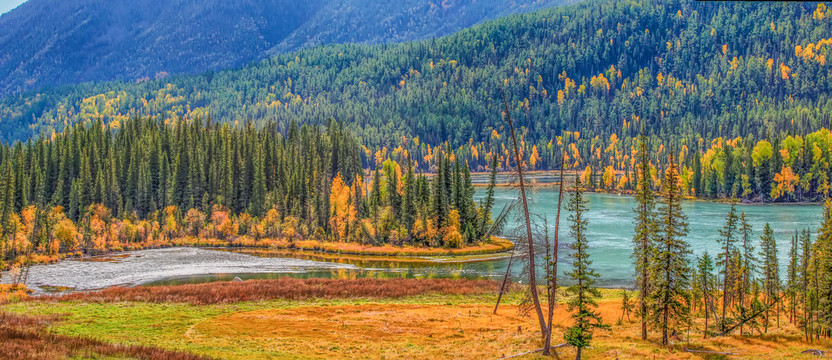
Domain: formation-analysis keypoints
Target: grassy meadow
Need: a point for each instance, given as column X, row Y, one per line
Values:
column 326, row 319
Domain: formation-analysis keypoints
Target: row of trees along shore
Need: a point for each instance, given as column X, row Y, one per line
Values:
column 90, row 188
column 737, row 290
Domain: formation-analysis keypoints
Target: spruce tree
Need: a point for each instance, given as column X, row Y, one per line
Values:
column 583, row 290
column 792, row 280
column 705, row 281
column 728, row 234
column 805, row 275
column 670, row 268
column 770, row 269
column 408, row 213
column 258, row 191
column 645, row 229
column 487, row 203
column 823, row 268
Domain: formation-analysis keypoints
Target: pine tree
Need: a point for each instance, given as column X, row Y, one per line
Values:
column 727, row 233
column 704, row 278
column 409, row 200
column 792, row 280
column 805, row 275
column 771, row 277
column 375, row 194
column 488, row 201
column 823, row 267
column 748, row 266
column 670, row 270
column 645, row 229
column 7, row 207
column 583, row 290
column 440, row 196
column 258, row 192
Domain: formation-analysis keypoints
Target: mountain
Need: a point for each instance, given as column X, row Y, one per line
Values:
column 740, row 92
column 46, row 43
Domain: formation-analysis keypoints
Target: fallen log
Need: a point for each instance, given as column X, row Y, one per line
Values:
column 532, row 352
column 758, row 313
column 815, row 352
column 709, row 352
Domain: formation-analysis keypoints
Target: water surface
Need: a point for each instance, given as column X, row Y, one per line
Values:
column 610, row 232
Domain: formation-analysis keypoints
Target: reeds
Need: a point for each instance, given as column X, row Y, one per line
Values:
column 26, row 337
column 283, row 288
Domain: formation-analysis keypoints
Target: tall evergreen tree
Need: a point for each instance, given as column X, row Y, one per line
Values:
column 770, row 269
column 749, row 264
column 728, row 234
column 645, row 229
column 705, row 280
column 670, row 270
column 583, row 290
column 823, row 268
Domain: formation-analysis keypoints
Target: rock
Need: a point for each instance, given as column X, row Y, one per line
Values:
column 237, row 279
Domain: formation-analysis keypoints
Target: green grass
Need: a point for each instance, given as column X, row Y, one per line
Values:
column 165, row 325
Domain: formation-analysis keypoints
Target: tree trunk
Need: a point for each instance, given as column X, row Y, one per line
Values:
column 554, row 274
column 532, row 268
column 503, row 285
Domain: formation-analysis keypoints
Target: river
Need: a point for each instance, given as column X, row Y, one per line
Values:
column 610, row 233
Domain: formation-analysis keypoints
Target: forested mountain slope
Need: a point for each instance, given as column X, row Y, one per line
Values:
column 716, row 82
column 46, row 43
column 681, row 67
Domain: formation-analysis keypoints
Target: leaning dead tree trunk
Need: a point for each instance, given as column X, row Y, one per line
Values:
column 754, row 315
column 532, row 352
column 709, row 352
column 532, row 269
column 505, row 281
column 553, row 276
column 498, row 223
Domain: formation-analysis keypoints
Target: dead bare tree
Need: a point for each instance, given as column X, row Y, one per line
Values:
column 531, row 257
column 553, row 270
column 498, row 224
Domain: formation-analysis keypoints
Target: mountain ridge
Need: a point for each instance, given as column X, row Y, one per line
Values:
column 50, row 44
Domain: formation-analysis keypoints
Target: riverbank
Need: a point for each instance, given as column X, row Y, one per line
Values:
column 393, row 319
column 493, row 246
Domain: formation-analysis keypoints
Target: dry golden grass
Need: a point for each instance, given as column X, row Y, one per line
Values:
column 408, row 331
column 370, row 318
column 395, row 331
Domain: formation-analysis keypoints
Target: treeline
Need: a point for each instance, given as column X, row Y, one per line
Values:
column 792, row 168
column 687, row 72
column 91, row 187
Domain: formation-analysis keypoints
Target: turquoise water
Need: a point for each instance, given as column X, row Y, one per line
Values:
column 610, row 228
column 610, row 232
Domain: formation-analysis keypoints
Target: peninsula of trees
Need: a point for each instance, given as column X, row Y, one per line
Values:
column 150, row 183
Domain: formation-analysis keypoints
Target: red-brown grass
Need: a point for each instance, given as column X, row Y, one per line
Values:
column 25, row 337
column 283, row 288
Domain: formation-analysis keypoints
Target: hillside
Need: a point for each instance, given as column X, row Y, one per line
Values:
column 681, row 66
column 46, row 43
column 585, row 77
